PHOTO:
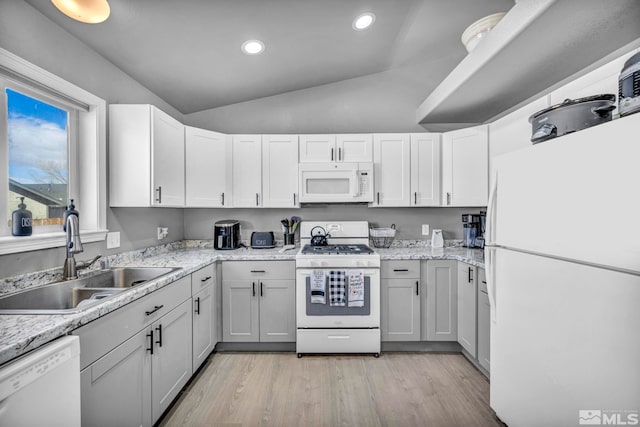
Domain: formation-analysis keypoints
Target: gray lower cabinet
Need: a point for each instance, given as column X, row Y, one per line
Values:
column 205, row 325
column 400, row 301
column 484, row 319
column 135, row 360
column 258, row 301
column 440, row 319
column 467, row 307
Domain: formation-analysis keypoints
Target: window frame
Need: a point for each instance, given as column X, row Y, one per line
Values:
column 87, row 162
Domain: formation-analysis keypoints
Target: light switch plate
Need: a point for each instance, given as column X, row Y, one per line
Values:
column 425, row 229
column 113, row 240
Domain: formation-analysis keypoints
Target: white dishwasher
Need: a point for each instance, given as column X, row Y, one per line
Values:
column 42, row 388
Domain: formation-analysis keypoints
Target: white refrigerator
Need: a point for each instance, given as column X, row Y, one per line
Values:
column 563, row 269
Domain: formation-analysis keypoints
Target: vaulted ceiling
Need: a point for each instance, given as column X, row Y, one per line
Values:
column 188, row 51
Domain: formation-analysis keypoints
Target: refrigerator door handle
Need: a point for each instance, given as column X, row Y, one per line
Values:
column 491, row 281
column 491, row 209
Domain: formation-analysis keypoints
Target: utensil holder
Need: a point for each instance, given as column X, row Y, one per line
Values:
column 289, row 238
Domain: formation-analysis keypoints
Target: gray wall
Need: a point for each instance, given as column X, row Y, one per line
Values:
column 28, row 34
column 199, row 222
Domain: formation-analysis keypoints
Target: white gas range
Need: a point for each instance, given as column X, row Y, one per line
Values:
column 337, row 289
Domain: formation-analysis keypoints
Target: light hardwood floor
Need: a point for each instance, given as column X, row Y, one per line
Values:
column 398, row 389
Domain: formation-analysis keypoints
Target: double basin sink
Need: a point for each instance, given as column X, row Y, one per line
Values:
column 73, row 296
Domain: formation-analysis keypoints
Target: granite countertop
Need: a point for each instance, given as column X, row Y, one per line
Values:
column 22, row 333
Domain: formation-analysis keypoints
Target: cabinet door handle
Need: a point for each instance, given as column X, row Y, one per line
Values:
column 258, row 271
column 253, row 286
column 470, row 274
column 294, row 199
column 155, row 308
column 448, row 198
column 484, row 281
column 400, row 269
column 159, row 197
column 159, row 329
column 150, row 335
column 261, row 293
column 415, row 198
column 204, row 279
column 257, row 199
column 198, row 306
column 378, row 195
column 340, row 154
column 332, row 154
column 417, row 287
column 222, row 199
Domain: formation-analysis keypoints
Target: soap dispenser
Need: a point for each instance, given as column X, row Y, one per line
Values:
column 21, row 220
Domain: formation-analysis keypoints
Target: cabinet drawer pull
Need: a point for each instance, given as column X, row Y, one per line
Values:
column 159, row 329
column 400, row 269
column 205, row 279
column 417, row 287
column 338, row 337
column 155, row 308
column 150, row 335
column 258, row 271
column 253, row 286
column 198, row 306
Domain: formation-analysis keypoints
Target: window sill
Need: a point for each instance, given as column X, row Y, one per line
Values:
column 11, row 244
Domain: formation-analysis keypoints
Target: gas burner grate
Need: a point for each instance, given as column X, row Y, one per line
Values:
column 337, row 250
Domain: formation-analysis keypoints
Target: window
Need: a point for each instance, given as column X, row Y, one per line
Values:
column 52, row 149
column 39, row 146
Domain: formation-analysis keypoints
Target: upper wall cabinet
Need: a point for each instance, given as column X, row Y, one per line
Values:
column 336, row 148
column 205, row 168
column 146, row 157
column 425, row 169
column 392, row 174
column 280, row 171
column 245, row 174
column 465, row 167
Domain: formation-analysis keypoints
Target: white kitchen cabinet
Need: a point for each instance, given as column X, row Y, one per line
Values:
column 206, row 160
column 425, row 169
column 146, row 157
column 465, row 163
column 258, row 301
column 246, row 171
column 317, row 148
column 440, row 316
column 336, row 148
column 354, row 147
column 204, row 320
column 484, row 317
column 280, row 171
column 400, row 301
column 171, row 364
column 392, row 173
column 467, row 307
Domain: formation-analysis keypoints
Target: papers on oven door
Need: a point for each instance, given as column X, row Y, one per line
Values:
column 346, row 288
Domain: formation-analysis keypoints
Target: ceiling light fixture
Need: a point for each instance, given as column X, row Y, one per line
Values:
column 364, row 21
column 87, row 11
column 253, row 47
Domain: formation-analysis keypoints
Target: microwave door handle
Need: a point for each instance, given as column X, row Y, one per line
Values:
column 354, row 184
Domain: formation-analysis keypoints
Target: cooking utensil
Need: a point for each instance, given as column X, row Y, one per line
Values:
column 320, row 238
column 570, row 116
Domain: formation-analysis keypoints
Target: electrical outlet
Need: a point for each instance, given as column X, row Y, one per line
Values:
column 113, row 240
column 425, row 229
column 163, row 232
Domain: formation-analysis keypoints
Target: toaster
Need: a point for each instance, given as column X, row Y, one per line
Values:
column 262, row 240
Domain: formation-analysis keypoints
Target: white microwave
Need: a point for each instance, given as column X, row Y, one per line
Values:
column 336, row 182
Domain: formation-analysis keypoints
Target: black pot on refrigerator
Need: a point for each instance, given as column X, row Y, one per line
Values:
column 226, row 234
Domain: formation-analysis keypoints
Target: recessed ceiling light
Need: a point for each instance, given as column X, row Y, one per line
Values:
column 87, row 11
column 364, row 21
column 253, row 47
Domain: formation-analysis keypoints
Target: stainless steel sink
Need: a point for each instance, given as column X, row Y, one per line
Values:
column 76, row 295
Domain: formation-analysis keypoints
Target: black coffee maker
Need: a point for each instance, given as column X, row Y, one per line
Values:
column 473, row 227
